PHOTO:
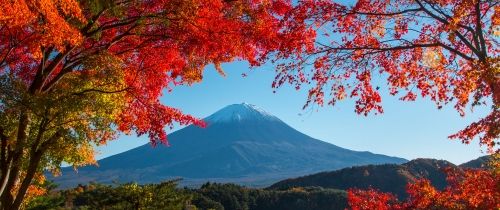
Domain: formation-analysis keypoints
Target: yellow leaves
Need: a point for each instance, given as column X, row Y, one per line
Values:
column 460, row 11
column 378, row 30
column 84, row 106
column 86, row 151
column 454, row 22
column 77, row 155
column 192, row 74
column 340, row 94
column 494, row 163
column 432, row 58
column 34, row 190
column 495, row 18
column 496, row 31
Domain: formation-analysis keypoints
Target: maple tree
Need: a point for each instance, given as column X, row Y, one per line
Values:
column 469, row 189
column 446, row 50
column 75, row 73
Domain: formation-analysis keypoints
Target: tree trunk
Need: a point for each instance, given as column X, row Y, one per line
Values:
column 6, row 198
column 32, row 168
column 5, row 176
column 37, row 151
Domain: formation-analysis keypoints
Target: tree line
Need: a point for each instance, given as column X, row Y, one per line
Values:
column 167, row 195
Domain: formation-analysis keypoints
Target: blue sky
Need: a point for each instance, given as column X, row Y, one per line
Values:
column 406, row 129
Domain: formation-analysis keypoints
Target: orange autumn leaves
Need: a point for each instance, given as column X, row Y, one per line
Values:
column 155, row 44
column 50, row 20
column 74, row 74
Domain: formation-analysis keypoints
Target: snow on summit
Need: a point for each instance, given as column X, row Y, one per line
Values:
column 240, row 112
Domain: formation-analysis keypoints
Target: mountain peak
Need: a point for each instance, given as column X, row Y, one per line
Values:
column 240, row 112
column 242, row 143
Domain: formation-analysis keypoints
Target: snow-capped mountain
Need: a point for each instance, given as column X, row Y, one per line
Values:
column 240, row 112
column 242, row 143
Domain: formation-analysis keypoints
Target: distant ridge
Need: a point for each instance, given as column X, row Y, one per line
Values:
column 386, row 177
column 481, row 162
column 242, row 144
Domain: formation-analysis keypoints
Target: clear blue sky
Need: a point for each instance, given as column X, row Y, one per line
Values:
column 406, row 129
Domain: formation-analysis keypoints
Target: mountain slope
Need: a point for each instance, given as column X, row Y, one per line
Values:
column 481, row 162
column 242, row 144
column 387, row 177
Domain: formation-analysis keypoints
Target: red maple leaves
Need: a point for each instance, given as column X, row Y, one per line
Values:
column 443, row 50
column 154, row 44
column 469, row 189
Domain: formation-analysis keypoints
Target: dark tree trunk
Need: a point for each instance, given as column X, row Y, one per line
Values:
column 30, row 173
column 14, row 160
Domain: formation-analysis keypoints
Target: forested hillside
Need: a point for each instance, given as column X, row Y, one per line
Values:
column 391, row 178
column 209, row 196
column 322, row 191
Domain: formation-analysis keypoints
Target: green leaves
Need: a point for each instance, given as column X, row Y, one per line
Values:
column 97, row 6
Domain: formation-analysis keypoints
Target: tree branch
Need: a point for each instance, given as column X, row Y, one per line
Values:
column 4, row 165
column 56, row 79
column 115, row 25
column 479, row 32
column 100, row 91
column 402, row 47
column 3, row 152
column 33, row 167
column 468, row 28
column 453, row 50
column 92, row 21
column 44, row 73
column 383, row 14
column 460, row 36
